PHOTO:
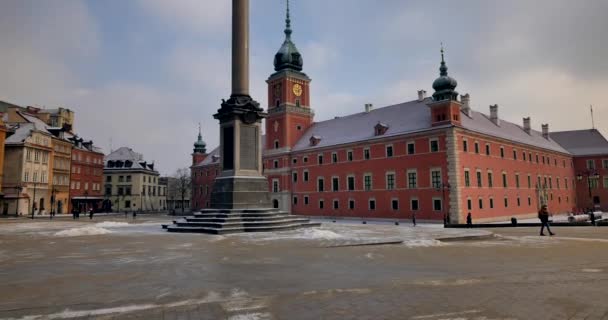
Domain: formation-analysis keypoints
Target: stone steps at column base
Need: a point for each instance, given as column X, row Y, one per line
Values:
column 244, row 224
column 189, row 229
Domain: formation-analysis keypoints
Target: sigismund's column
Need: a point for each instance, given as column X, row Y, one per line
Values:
column 241, row 183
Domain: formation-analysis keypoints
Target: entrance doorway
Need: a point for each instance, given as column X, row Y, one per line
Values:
column 275, row 203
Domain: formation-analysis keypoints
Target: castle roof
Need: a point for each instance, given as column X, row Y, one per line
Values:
column 582, row 142
column 408, row 118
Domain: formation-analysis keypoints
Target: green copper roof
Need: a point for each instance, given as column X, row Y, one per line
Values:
column 444, row 85
column 288, row 56
column 200, row 146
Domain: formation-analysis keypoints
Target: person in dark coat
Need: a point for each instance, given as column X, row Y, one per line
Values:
column 91, row 214
column 414, row 218
column 469, row 220
column 543, row 215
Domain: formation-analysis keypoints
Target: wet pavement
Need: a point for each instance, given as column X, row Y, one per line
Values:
column 124, row 269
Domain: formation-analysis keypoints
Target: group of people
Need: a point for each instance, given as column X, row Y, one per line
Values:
column 76, row 213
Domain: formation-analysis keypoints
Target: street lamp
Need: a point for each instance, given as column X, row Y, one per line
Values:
column 53, row 191
column 590, row 175
column 34, row 201
column 19, row 189
column 443, row 186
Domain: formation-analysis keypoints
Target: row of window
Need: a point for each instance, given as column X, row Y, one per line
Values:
column 78, row 157
column 390, row 181
column 436, row 203
column 41, row 177
column 87, row 170
column 200, row 173
column 480, row 202
column 61, row 180
column 366, row 153
column 149, row 179
column 61, row 163
column 94, row 186
column 525, row 156
column 541, row 182
column 62, row 148
column 126, row 191
column 41, row 140
column 591, row 164
column 38, row 155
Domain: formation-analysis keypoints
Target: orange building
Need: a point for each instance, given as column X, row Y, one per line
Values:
column 434, row 157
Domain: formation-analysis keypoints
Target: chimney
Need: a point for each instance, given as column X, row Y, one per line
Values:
column 527, row 125
column 494, row 114
column 421, row 95
column 545, row 130
column 368, row 107
column 466, row 107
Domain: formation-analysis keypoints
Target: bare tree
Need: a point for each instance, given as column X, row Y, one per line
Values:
column 183, row 183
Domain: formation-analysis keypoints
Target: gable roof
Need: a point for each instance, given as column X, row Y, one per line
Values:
column 582, row 142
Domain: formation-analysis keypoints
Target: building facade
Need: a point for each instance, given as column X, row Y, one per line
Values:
column 131, row 183
column 86, row 176
column 27, row 168
column 590, row 151
column 433, row 157
column 3, row 205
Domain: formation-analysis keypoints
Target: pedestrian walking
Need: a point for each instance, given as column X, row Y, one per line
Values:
column 414, row 218
column 134, row 214
column 91, row 214
column 469, row 220
column 543, row 215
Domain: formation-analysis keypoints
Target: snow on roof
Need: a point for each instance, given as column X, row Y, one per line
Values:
column 22, row 131
column 127, row 159
column 214, row 154
column 410, row 117
column 481, row 123
column 582, row 142
column 400, row 118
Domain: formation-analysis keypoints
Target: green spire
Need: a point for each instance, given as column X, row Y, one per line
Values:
column 444, row 85
column 443, row 69
column 200, row 146
column 287, row 23
column 288, row 56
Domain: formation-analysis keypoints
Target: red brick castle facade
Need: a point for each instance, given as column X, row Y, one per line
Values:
column 433, row 157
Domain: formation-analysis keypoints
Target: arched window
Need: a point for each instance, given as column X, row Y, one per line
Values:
column 298, row 103
column 276, row 144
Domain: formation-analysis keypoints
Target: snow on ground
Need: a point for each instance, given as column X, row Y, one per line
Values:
column 83, row 231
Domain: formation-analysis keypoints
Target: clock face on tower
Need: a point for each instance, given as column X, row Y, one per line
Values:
column 297, row 89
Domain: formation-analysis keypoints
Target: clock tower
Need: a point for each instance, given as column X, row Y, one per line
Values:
column 289, row 113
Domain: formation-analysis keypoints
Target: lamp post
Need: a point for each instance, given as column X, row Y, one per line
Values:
column 34, row 200
column 443, row 186
column 86, row 194
column 53, row 191
column 19, row 189
column 590, row 175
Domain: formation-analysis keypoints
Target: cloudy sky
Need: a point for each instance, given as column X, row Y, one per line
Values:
column 143, row 73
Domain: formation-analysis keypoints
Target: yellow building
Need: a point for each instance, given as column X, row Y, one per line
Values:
column 27, row 170
column 131, row 183
column 60, row 175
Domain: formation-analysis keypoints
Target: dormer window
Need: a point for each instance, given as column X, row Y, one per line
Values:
column 380, row 129
column 314, row 140
column 214, row 158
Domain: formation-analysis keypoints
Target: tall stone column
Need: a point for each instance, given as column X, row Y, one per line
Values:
column 241, row 183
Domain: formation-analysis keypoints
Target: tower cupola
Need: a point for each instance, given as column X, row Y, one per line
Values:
column 288, row 56
column 444, row 85
column 200, row 146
